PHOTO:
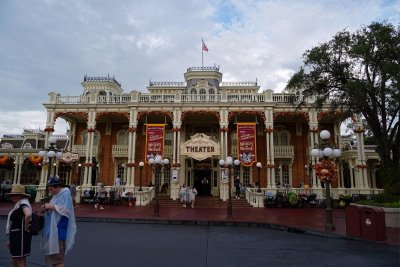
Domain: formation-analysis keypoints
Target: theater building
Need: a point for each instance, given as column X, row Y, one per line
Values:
column 193, row 123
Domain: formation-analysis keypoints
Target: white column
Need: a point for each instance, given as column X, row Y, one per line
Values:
column 89, row 182
column 178, row 151
column 129, row 169
column 271, row 141
column 133, row 159
column 268, row 159
column 226, row 142
column 175, row 143
column 317, row 181
column 222, row 144
column 16, row 169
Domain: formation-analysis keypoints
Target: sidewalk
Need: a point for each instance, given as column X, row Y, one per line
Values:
column 306, row 220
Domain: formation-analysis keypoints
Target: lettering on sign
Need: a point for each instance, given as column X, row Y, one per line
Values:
column 200, row 147
column 69, row 157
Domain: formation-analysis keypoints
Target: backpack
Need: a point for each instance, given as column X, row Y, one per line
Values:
column 37, row 223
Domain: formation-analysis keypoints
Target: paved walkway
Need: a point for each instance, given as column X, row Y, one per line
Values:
column 305, row 220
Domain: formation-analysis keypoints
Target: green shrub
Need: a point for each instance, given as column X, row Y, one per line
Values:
column 386, row 198
column 391, row 179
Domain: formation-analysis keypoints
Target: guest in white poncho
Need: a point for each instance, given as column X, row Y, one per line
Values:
column 183, row 192
column 59, row 224
column 192, row 195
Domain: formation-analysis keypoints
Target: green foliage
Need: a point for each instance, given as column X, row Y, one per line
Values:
column 391, row 180
column 344, row 196
column 385, row 200
column 358, row 73
column 292, row 198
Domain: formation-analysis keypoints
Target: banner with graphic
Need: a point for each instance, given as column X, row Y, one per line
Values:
column 246, row 141
column 154, row 141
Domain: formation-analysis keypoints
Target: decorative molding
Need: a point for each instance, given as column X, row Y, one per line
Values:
column 291, row 114
column 327, row 113
column 132, row 129
column 200, row 112
column 259, row 114
column 49, row 129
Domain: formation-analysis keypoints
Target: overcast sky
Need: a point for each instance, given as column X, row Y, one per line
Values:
column 49, row 45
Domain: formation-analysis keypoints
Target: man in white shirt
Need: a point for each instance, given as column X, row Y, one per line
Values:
column 117, row 182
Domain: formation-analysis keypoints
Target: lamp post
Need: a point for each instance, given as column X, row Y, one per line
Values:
column 51, row 152
column 228, row 164
column 258, row 165
column 141, row 164
column 326, row 171
column 157, row 164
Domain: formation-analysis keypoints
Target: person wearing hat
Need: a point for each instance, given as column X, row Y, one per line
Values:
column 17, row 227
column 59, row 224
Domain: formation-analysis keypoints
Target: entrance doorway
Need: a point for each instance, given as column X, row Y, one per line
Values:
column 202, row 182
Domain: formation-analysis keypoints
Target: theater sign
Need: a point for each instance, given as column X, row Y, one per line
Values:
column 200, row 147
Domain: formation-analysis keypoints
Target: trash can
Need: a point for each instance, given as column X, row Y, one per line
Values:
column 373, row 225
column 353, row 225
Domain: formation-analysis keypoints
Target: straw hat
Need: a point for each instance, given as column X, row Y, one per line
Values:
column 18, row 189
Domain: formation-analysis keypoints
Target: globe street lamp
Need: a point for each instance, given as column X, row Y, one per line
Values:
column 157, row 164
column 51, row 152
column 326, row 171
column 228, row 164
column 258, row 165
column 141, row 164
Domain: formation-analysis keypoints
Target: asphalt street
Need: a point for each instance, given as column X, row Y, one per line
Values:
column 122, row 244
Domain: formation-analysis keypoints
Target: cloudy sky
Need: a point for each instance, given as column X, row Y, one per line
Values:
column 49, row 45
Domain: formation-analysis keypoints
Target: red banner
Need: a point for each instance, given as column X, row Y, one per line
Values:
column 246, row 140
column 154, row 141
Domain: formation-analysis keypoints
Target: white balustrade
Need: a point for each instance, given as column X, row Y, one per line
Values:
column 81, row 150
column 283, row 151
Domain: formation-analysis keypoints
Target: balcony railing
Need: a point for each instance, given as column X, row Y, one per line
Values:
column 136, row 97
column 283, row 151
column 81, row 150
column 122, row 151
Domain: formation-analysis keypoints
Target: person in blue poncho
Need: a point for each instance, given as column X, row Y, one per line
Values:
column 59, row 224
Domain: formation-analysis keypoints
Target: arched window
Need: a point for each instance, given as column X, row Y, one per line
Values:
column 27, row 146
column 193, row 91
column 281, row 138
column 122, row 138
column 203, row 94
column 234, row 143
column 96, row 139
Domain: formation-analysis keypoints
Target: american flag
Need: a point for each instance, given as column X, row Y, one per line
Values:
column 205, row 48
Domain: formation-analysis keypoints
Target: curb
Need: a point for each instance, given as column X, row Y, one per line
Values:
column 284, row 228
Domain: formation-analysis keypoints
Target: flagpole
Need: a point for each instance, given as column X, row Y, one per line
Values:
column 202, row 52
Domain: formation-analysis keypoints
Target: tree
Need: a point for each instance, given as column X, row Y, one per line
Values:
column 359, row 73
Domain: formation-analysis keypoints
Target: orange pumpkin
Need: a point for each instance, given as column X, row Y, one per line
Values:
column 3, row 159
column 36, row 159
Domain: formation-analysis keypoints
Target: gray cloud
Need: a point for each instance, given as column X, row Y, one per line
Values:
column 50, row 45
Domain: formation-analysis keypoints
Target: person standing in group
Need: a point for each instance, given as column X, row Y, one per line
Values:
column 183, row 195
column 236, row 182
column 72, row 188
column 17, row 229
column 192, row 195
column 117, row 184
column 59, row 224
column 101, row 197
